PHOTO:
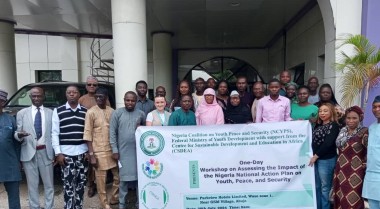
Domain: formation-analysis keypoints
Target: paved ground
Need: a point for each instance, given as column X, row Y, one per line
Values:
column 89, row 203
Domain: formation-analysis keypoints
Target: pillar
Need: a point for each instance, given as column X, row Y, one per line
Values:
column 129, row 45
column 162, row 61
column 340, row 17
column 8, row 79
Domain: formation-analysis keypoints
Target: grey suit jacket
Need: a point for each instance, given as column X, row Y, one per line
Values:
column 25, row 123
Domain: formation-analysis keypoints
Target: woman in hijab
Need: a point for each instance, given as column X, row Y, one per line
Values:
column 209, row 112
column 236, row 113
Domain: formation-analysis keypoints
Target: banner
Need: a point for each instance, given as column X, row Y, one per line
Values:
column 226, row 166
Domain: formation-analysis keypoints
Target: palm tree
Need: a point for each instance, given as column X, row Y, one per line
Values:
column 360, row 70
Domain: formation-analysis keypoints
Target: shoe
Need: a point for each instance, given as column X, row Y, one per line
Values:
column 91, row 191
column 114, row 202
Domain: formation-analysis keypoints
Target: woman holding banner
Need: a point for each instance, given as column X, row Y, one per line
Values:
column 209, row 112
column 350, row 168
column 324, row 150
column 158, row 117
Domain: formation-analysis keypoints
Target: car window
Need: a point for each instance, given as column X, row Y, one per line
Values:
column 55, row 95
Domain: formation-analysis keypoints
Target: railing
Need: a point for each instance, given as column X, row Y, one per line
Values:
column 101, row 68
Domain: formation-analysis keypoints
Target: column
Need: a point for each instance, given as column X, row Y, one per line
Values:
column 8, row 79
column 348, row 21
column 340, row 17
column 129, row 45
column 162, row 61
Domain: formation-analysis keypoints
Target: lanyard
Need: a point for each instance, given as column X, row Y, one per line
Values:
column 159, row 116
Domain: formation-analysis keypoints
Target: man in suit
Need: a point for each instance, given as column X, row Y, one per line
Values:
column 34, row 125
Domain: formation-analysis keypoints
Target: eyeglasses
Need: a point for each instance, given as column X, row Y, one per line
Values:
column 92, row 84
column 72, row 92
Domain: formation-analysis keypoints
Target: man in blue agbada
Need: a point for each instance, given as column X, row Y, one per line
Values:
column 371, row 187
column 10, row 174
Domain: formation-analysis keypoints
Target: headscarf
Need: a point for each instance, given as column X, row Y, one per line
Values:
column 208, row 114
column 343, row 136
column 291, row 84
column 239, row 114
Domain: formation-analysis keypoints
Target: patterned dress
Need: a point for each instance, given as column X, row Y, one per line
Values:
column 349, row 172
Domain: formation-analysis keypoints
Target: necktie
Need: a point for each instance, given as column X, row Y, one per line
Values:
column 38, row 124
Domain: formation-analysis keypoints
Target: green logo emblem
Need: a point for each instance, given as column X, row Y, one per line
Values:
column 152, row 168
column 154, row 196
column 152, row 143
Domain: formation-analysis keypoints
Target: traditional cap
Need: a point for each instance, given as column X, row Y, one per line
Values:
column 234, row 93
column 3, row 95
column 356, row 109
column 377, row 99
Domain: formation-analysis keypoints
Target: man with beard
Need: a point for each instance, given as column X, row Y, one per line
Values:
column 200, row 85
column 70, row 148
column 143, row 103
column 246, row 98
column 124, row 122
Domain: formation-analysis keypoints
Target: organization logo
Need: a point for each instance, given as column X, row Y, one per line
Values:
column 154, row 196
column 152, row 143
column 152, row 168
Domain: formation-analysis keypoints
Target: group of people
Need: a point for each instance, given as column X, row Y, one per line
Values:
column 86, row 134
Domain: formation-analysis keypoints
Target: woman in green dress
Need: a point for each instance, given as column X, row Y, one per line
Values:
column 303, row 110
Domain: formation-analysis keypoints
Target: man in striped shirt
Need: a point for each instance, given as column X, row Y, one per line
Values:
column 70, row 148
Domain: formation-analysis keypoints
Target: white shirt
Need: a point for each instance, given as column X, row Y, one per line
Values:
column 40, row 141
column 313, row 99
column 71, row 150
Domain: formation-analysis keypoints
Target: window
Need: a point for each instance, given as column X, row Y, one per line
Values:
column 48, row 75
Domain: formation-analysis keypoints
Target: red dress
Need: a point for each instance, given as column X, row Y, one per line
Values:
column 349, row 172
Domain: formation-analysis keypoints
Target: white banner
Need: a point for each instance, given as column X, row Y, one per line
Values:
column 226, row 167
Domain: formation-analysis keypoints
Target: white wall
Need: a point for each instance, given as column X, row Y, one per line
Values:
column 304, row 44
column 71, row 55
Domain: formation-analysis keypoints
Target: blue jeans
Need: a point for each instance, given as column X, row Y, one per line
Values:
column 324, row 173
column 13, row 191
column 374, row 204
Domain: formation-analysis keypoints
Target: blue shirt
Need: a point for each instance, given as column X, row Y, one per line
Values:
column 371, row 187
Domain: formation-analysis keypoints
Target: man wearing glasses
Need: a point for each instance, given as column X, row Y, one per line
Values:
column 88, row 100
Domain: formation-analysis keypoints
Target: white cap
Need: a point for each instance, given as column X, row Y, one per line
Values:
column 234, row 93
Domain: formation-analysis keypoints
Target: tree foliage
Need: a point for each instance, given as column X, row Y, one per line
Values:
column 360, row 70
